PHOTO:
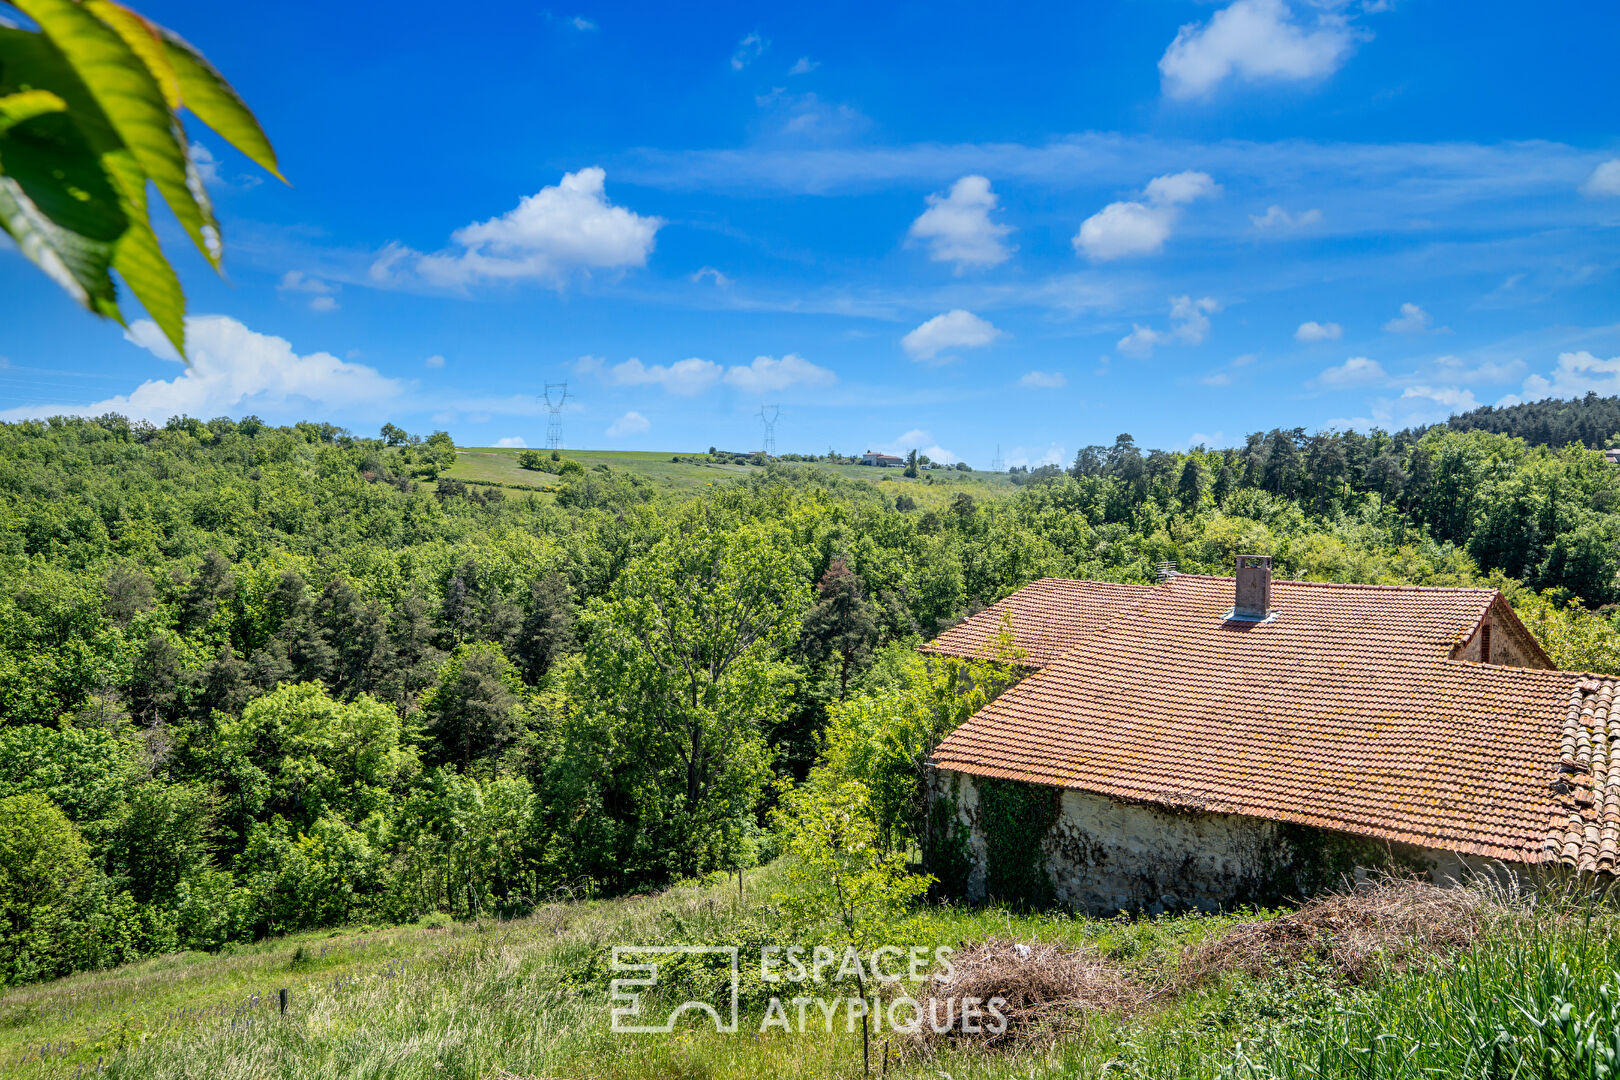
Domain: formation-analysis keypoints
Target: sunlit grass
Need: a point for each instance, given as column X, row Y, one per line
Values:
column 527, row 998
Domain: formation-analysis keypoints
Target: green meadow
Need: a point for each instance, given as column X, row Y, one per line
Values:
column 1525, row 989
column 691, row 474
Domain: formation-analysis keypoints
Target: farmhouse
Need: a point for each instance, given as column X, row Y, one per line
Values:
column 887, row 461
column 1212, row 740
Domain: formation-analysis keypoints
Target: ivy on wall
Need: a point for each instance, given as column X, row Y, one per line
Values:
column 1015, row 818
column 1313, row 860
column 946, row 854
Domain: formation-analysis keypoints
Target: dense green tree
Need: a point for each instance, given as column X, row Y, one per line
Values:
column 1190, row 487
column 548, row 627
column 45, row 874
column 684, row 656
column 842, row 624
column 473, row 713
column 297, row 753
column 162, row 841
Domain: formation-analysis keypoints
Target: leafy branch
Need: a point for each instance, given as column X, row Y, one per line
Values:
column 90, row 106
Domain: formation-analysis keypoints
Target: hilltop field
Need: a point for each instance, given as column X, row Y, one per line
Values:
column 677, row 472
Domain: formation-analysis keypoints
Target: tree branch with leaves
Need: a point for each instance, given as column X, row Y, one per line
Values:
column 90, row 115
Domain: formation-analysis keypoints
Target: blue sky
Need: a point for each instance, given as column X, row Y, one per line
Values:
column 948, row 226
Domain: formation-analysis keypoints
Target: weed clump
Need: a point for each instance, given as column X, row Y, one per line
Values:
column 1049, row 991
column 1386, row 922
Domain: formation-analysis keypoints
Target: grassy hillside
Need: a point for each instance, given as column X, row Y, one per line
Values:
column 499, row 465
column 1362, row 986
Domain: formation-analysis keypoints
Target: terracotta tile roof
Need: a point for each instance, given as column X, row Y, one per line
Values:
column 1048, row 617
column 1585, row 830
column 1343, row 712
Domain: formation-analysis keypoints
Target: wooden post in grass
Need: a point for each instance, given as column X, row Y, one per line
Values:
column 284, row 995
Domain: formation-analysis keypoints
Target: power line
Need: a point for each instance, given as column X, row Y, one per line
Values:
column 767, row 417
column 996, row 462
column 554, row 432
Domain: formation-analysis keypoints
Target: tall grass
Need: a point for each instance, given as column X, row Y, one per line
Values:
column 1536, row 998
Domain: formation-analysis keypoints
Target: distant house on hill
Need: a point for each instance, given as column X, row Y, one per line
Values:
column 886, row 461
column 1612, row 456
column 1211, row 740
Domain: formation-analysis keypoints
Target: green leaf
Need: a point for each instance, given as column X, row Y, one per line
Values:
column 205, row 92
column 56, row 201
column 133, row 101
column 149, row 276
column 140, row 260
column 74, row 262
column 142, row 38
column 84, row 193
column 16, row 108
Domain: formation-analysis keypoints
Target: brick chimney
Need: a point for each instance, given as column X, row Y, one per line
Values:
column 1253, row 599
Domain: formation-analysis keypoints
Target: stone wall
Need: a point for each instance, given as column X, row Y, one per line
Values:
column 1511, row 643
column 1105, row 856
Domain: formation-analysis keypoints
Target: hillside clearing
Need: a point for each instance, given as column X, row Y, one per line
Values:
column 527, row 998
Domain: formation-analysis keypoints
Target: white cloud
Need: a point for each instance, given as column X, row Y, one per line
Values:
column 720, row 280
column 768, row 374
column 748, row 50
column 1044, row 380
column 434, row 361
column 1253, row 41
column 1189, row 325
column 631, row 423
column 1276, row 217
column 956, row 329
column 581, row 23
column 804, row 66
column 1219, row 378
column 1455, row 370
column 321, row 293
column 1411, row 320
column 1134, row 227
column 693, row 376
column 684, row 377
column 511, row 442
column 1124, row 228
column 210, row 170
column 298, row 281
column 559, row 229
column 1356, row 371
column 957, row 226
column 206, row 163
column 233, row 370
column 1577, row 373
column 1604, row 181
column 1452, row 397
column 1178, row 189
column 808, row 116
column 1315, row 331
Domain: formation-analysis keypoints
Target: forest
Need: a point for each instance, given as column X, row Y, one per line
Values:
column 260, row 679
